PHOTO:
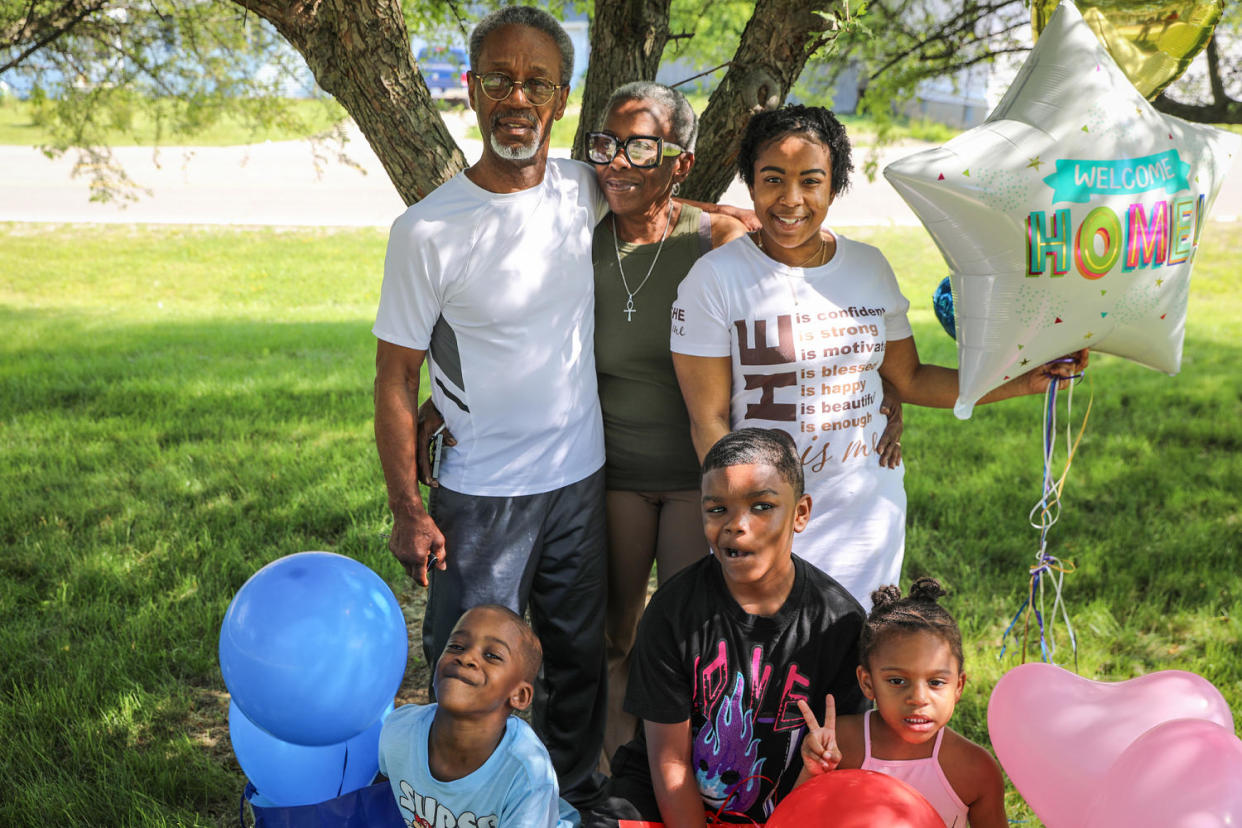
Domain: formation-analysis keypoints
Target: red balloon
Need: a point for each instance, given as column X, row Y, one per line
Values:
column 854, row 799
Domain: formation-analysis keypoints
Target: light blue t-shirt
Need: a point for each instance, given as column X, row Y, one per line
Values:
column 516, row 786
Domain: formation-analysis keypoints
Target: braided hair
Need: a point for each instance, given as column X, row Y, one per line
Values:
column 891, row 615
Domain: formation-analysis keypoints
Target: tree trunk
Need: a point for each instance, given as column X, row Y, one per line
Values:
column 627, row 42
column 774, row 48
column 359, row 51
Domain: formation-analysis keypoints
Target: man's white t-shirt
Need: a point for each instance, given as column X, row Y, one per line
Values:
column 505, row 283
column 806, row 346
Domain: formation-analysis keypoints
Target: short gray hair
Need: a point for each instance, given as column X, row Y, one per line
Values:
column 524, row 16
column 680, row 113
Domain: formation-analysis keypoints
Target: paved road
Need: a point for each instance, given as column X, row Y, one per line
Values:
column 280, row 183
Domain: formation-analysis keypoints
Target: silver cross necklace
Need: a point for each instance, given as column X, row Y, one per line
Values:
column 630, row 294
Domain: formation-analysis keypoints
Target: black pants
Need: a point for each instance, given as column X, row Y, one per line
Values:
column 547, row 550
column 629, row 794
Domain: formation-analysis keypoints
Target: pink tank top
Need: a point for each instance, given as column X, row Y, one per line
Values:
column 924, row 775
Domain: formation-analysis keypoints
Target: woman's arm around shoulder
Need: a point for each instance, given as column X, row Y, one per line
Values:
column 977, row 779
column 742, row 215
column 725, row 228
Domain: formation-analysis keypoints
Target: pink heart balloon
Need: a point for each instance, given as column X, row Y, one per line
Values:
column 1057, row 734
column 1186, row 773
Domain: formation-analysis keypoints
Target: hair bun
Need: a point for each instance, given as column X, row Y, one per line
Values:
column 926, row 589
column 885, row 596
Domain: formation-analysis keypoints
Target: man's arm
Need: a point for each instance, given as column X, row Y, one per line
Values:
column 414, row 534
column 672, row 774
column 707, row 386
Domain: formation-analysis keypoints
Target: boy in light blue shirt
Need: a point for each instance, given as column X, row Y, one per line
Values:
column 466, row 761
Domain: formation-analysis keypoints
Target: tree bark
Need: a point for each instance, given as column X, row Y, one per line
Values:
column 359, row 51
column 773, row 50
column 627, row 42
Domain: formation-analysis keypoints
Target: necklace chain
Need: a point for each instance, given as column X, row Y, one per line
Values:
column 630, row 310
column 818, row 251
column 793, row 291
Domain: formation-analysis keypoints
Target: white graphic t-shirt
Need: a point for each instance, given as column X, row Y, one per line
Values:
column 499, row 287
column 806, row 346
column 515, row 786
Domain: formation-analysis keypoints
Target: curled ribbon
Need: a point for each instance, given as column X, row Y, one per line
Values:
column 1049, row 569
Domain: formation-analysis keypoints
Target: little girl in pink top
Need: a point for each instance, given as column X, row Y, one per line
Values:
column 911, row 667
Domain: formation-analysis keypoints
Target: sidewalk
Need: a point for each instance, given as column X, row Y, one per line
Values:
column 279, row 184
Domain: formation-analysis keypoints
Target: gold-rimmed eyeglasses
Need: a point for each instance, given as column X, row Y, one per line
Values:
column 498, row 86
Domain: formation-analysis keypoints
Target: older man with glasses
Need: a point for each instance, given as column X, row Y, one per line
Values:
column 491, row 276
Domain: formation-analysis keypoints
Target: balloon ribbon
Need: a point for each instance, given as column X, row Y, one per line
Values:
column 717, row 818
column 1049, row 570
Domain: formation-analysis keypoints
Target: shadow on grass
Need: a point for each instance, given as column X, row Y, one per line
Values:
column 149, row 470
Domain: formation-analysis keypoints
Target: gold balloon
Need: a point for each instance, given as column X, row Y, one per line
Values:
column 1152, row 42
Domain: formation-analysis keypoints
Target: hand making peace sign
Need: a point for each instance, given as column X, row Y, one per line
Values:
column 820, row 752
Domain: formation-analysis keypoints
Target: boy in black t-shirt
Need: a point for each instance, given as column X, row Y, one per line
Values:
column 728, row 647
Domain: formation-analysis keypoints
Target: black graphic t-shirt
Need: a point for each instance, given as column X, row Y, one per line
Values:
column 738, row 678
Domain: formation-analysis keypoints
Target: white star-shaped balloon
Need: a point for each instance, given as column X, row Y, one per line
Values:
column 1070, row 218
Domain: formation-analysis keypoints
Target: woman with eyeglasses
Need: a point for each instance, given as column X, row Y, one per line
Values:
column 645, row 245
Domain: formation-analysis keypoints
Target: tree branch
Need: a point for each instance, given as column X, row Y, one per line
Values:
column 775, row 46
column 964, row 21
column 1222, row 109
column 52, row 27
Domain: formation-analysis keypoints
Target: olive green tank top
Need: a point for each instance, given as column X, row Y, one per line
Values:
column 646, row 428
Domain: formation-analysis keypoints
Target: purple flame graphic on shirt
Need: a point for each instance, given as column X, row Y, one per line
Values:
column 726, row 755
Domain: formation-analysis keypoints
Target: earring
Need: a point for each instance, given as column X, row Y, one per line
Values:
column 676, row 188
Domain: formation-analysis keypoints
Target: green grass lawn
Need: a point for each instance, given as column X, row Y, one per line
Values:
column 179, row 407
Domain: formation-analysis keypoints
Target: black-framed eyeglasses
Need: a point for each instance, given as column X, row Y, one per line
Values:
column 640, row 150
column 498, row 86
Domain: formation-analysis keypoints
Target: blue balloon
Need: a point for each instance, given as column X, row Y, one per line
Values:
column 362, row 756
column 942, row 301
column 313, row 648
column 286, row 774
